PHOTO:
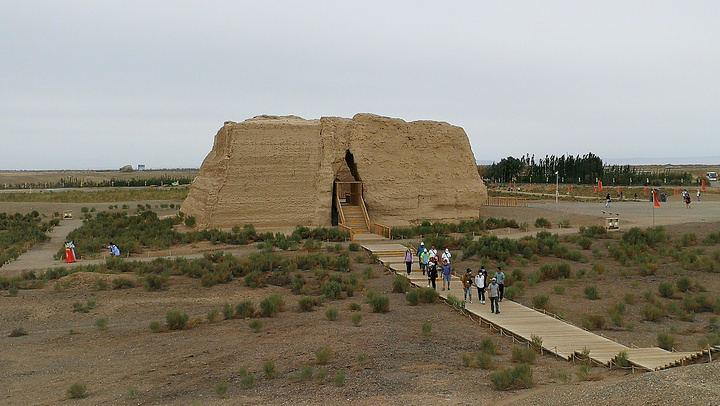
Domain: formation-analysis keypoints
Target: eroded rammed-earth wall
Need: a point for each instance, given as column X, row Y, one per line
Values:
column 279, row 172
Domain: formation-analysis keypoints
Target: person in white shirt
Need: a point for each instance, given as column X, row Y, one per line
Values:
column 446, row 256
column 480, row 284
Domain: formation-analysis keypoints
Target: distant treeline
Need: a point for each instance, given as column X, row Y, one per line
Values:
column 74, row 182
column 584, row 169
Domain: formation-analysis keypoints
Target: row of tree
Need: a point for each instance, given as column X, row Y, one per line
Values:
column 585, row 169
column 75, row 182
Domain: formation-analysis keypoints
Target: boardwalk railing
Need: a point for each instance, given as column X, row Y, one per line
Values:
column 382, row 230
column 505, row 201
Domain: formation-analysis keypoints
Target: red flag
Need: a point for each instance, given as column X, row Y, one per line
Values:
column 600, row 186
column 655, row 198
column 703, row 185
column 645, row 190
column 676, row 192
column 595, row 189
column 619, row 190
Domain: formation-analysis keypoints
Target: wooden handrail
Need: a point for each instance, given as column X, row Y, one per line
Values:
column 365, row 213
column 347, row 229
column 341, row 215
column 380, row 229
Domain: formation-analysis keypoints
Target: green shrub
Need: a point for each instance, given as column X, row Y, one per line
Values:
column 536, row 342
column 683, row 283
column 321, row 376
column 228, row 311
column 353, row 246
column 592, row 292
column 331, row 313
column 245, row 309
column 400, row 284
column 213, row 316
column 153, row 282
column 584, row 242
column 247, row 381
column 622, row 359
column 541, row 302
column 176, row 320
column 455, row 302
column 488, row 346
column 354, row 306
column 426, row 328
column 101, row 323
column 256, row 325
column 357, row 319
column 221, row 388
column 629, row 298
column 523, row 355
column 666, row 341
column 77, row 390
column 255, row 279
column 323, row 354
column 306, row 303
column 652, row 312
column 339, row 378
column 269, row 369
column 101, row 284
column 331, row 290
column 122, row 283
column 81, row 307
column 428, row 295
column 272, row 305
column 155, row 326
column 542, row 222
column 413, row 297
column 510, row 378
column 559, row 289
column 592, row 322
column 666, row 289
column 378, row 303
column 584, row 373
column 515, row 291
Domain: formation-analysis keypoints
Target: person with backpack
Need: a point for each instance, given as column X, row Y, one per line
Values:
column 432, row 273
column 424, row 260
column 467, row 281
column 408, row 260
column 480, row 285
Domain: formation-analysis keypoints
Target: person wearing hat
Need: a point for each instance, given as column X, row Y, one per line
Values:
column 446, row 256
column 408, row 260
column 480, row 285
column 494, row 293
column 432, row 273
column 447, row 270
column 500, row 275
column 419, row 252
column 467, row 281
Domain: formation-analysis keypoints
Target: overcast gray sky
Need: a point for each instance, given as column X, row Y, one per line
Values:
column 101, row 84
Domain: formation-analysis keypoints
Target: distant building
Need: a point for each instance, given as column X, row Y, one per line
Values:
column 141, row 167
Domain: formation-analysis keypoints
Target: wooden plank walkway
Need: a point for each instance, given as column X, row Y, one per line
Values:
column 558, row 337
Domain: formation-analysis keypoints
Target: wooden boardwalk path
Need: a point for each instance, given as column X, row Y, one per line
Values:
column 558, row 337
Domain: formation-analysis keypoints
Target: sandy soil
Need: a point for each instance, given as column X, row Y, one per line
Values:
column 129, row 364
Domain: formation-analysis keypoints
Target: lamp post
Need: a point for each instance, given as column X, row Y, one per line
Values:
column 557, row 191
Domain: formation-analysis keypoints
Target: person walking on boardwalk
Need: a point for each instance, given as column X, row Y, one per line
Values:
column 500, row 275
column 607, row 200
column 698, row 195
column 419, row 252
column 447, row 270
column 432, row 273
column 480, row 285
column 446, row 256
column 494, row 293
column 433, row 254
column 467, row 281
column 424, row 262
column 408, row 260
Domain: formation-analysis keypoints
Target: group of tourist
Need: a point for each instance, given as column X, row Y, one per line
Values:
column 686, row 197
column 495, row 287
column 428, row 261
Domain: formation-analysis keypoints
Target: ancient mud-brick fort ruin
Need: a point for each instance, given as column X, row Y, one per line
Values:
column 279, row 172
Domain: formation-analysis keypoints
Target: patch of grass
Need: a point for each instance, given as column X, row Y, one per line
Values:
column 323, row 355
column 584, row 373
column 176, row 320
column 101, row 323
column 653, row 311
column 331, row 313
column 353, row 246
column 357, row 319
column 245, row 309
column 400, row 284
column 629, row 298
column 536, row 342
column 213, row 316
column 378, row 303
column 339, row 378
column 622, row 359
column 592, row 292
column 488, row 346
column 122, row 283
column 512, row 378
column 247, row 381
column 666, row 289
column 541, row 302
column 101, row 284
column 77, row 390
column 362, row 358
column 559, row 289
column 683, row 283
column 542, row 222
column 269, row 369
column 256, row 325
column 305, row 372
column 666, row 341
column 592, row 322
column 455, row 302
column 321, row 375
column 523, row 355
column 156, row 327
column 354, row 306
column 272, row 305
column 413, row 297
column 221, row 388
column 427, row 328
column 132, row 392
